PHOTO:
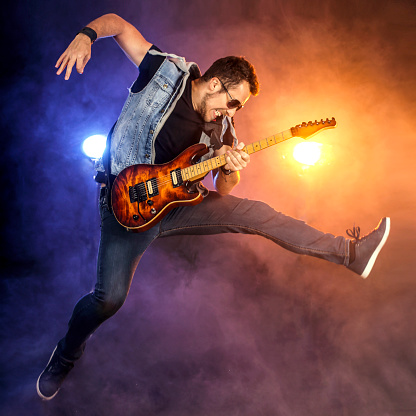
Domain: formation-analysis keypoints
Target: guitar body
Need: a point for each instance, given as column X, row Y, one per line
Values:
column 143, row 194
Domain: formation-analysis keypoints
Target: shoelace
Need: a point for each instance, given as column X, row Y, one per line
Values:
column 354, row 233
column 59, row 366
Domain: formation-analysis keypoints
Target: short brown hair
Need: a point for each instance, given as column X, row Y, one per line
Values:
column 232, row 70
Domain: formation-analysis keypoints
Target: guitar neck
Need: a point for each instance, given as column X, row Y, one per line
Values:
column 201, row 169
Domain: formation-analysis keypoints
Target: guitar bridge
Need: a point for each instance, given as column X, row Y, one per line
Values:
column 137, row 193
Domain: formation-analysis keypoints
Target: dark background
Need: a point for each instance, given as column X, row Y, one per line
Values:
column 219, row 325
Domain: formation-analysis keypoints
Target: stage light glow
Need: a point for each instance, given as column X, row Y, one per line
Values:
column 94, row 146
column 307, row 153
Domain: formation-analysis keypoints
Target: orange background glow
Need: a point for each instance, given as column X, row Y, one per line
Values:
column 220, row 325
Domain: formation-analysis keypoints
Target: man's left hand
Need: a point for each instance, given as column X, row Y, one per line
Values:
column 236, row 158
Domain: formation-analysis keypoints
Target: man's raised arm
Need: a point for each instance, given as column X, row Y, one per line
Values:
column 126, row 35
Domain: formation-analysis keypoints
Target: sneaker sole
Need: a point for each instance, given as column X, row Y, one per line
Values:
column 373, row 257
column 37, row 383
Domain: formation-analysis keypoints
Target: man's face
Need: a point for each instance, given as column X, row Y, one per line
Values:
column 214, row 104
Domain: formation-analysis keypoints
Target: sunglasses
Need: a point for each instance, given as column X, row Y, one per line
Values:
column 233, row 103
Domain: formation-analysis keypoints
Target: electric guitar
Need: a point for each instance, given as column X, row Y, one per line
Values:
column 143, row 194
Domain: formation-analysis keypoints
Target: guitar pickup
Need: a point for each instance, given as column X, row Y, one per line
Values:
column 176, row 177
column 152, row 189
column 137, row 192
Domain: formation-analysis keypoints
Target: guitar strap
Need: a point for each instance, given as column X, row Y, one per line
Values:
column 214, row 130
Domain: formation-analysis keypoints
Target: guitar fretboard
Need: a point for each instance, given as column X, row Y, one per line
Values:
column 202, row 168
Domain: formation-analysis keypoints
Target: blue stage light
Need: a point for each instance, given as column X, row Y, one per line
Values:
column 94, row 146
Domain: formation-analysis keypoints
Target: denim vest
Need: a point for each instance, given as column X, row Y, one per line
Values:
column 144, row 113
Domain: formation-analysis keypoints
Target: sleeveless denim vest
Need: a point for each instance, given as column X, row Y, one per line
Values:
column 144, row 113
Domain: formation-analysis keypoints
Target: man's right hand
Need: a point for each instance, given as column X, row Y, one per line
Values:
column 77, row 53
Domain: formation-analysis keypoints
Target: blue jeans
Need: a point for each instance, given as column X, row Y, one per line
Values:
column 120, row 252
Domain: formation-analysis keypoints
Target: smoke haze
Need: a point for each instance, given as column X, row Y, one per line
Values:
column 217, row 325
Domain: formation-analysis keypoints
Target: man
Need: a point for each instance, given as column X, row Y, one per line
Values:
column 170, row 97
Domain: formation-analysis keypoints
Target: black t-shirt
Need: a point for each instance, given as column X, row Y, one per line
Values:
column 184, row 126
column 182, row 129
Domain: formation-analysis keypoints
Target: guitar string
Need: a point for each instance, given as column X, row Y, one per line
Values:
column 255, row 147
column 204, row 169
column 165, row 180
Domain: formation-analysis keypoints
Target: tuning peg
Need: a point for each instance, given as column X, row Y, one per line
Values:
column 327, row 120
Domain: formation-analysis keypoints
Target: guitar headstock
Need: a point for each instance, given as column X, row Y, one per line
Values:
column 307, row 130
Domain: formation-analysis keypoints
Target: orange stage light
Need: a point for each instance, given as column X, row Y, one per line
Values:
column 307, row 153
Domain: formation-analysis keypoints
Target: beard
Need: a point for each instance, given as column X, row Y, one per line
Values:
column 202, row 110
